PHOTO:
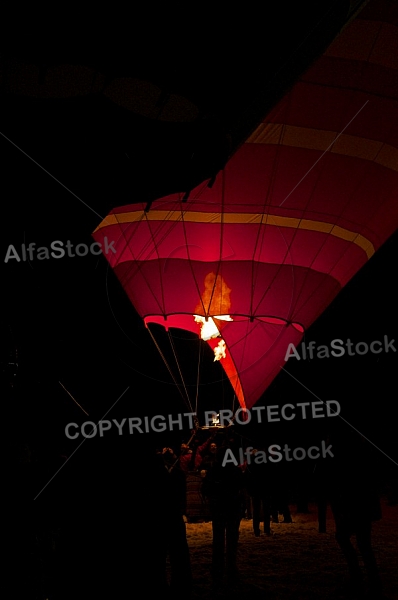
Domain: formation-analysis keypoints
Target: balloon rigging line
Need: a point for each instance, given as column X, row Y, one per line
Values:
column 74, row 451
column 165, row 362
column 159, row 264
column 324, row 152
column 197, row 379
column 179, row 369
column 75, row 401
column 190, row 263
column 325, row 274
column 345, row 420
column 266, row 213
column 52, row 176
column 221, row 245
column 266, row 206
column 340, row 258
column 139, row 270
column 156, row 244
column 188, row 443
column 254, row 103
column 167, row 365
column 163, row 225
column 289, row 246
column 296, row 230
column 262, row 232
column 139, row 267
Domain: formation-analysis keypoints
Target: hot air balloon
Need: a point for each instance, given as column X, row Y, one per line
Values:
column 252, row 260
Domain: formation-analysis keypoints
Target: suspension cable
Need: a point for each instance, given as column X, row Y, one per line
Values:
column 169, row 369
column 197, row 378
column 179, row 370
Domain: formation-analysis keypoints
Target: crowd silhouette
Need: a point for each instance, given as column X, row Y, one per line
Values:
column 107, row 526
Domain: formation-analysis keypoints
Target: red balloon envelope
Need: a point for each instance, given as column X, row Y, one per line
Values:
column 251, row 262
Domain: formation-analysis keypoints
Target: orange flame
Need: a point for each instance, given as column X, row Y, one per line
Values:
column 215, row 297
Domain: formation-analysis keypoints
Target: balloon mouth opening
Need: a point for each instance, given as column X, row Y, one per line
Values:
column 189, row 322
column 194, row 323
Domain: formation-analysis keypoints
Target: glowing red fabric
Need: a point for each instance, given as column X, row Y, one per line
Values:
column 296, row 213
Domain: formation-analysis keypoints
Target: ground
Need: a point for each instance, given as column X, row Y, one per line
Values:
column 296, row 563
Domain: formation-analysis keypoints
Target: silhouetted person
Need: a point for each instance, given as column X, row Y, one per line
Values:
column 191, row 458
column 172, row 499
column 280, row 493
column 392, row 492
column 322, row 483
column 223, row 486
column 122, row 518
column 209, row 456
column 258, row 486
column 188, row 463
column 355, row 505
column 303, row 472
